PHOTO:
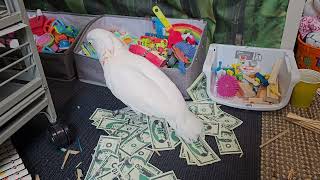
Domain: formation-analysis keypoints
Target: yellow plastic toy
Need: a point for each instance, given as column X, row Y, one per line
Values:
column 230, row 72
column 156, row 10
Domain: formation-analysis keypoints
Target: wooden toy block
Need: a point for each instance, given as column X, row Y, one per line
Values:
column 262, row 92
column 271, row 96
column 251, row 80
column 275, row 71
column 246, row 90
column 257, row 101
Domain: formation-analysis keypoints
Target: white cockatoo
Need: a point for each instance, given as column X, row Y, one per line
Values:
column 142, row 86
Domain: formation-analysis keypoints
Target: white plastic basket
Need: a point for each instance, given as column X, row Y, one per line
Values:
column 288, row 76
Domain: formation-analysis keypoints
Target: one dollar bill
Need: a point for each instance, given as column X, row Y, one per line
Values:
column 160, row 135
column 201, row 151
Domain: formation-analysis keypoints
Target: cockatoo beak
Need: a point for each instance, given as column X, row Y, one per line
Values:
column 105, row 43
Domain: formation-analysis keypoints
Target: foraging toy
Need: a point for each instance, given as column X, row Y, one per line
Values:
column 88, row 50
column 189, row 38
column 187, row 49
column 172, row 61
column 54, row 47
column 262, row 79
column 181, row 67
column 158, row 26
column 246, row 90
column 174, row 38
column 215, row 70
column 149, row 55
column 156, row 35
column 180, row 55
column 156, row 10
column 47, row 49
column 71, row 31
column 227, row 86
column 250, row 80
column 64, row 44
column 45, row 40
column 59, row 37
column 36, row 24
column 194, row 31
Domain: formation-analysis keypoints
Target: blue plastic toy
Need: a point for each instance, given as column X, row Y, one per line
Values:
column 187, row 49
column 215, row 70
column 181, row 67
column 262, row 79
column 156, row 35
column 88, row 50
column 64, row 44
column 71, row 31
column 47, row 49
column 158, row 26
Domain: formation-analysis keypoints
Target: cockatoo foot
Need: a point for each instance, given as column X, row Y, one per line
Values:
column 189, row 128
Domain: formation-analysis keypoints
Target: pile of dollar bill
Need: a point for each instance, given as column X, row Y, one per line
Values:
column 131, row 139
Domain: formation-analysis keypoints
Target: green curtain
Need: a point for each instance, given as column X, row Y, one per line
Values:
column 247, row 22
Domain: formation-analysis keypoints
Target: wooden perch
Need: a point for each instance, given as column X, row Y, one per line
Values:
column 274, row 138
column 310, row 124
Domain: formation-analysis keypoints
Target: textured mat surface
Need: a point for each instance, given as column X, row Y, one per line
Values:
column 76, row 101
column 297, row 151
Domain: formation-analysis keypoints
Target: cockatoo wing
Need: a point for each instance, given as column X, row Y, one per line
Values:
column 142, row 86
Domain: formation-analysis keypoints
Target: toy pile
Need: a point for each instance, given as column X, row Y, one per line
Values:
column 170, row 45
column 52, row 35
column 246, row 82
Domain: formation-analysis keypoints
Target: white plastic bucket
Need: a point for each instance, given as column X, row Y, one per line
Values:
column 288, row 76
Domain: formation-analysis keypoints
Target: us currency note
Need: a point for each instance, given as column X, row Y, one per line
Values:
column 191, row 160
column 182, row 154
column 174, row 138
column 170, row 175
column 201, row 151
column 125, row 131
column 211, row 128
column 228, row 143
column 198, row 89
column 160, row 136
column 99, row 114
column 139, row 140
column 201, row 108
column 228, row 121
column 106, row 145
column 140, row 120
column 144, row 170
column 141, row 157
column 113, row 174
column 108, row 164
column 109, row 125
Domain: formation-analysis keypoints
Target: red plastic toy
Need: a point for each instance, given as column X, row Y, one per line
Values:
column 36, row 24
column 152, row 57
column 174, row 37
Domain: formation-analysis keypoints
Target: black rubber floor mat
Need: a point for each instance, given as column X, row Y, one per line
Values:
column 76, row 101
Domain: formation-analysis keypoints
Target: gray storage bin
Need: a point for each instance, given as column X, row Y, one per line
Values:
column 61, row 66
column 90, row 71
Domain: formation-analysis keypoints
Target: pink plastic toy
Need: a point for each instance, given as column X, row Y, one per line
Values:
column 227, row 86
column 174, row 37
